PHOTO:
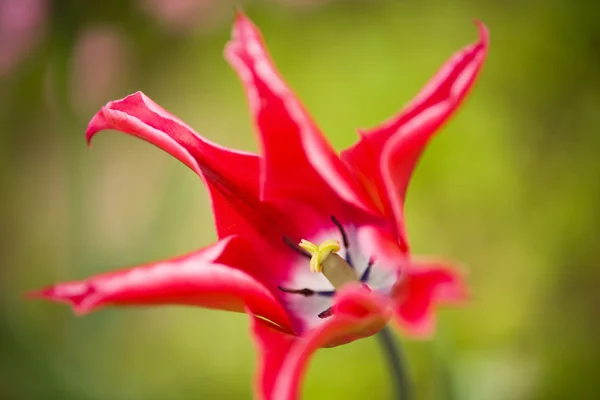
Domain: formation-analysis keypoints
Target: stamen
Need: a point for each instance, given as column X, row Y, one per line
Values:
column 341, row 228
column 344, row 239
column 319, row 253
column 308, row 292
column 326, row 314
column 295, row 247
column 335, row 268
column 365, row 275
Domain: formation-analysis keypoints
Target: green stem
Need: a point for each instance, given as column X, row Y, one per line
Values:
column 393, row 353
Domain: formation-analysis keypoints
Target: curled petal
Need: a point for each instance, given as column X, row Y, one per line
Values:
column 231, row 176
column 139, row 116
column 202, row 278
column 399, row 142
column 423, row 286
column 284, row 358
column 298, row 161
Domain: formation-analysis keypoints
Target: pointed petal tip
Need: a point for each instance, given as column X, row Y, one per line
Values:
column 239, row 13
column 93, row 127
column 241, row 23
column 76, row 299
column 67, row 292
column 48, row 293
column 484, row 34
column 35, row 295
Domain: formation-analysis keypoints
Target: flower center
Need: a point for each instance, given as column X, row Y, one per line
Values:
column 324, row 259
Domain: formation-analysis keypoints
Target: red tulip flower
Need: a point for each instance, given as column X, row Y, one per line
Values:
column 312, row 244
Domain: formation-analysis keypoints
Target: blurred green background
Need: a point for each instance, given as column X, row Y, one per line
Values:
column 511, row 189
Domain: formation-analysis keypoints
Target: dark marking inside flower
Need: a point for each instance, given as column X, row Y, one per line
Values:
column 326, row 314
column 344, row 239
column 365, row 275
column 308, row 292
column 295, row 247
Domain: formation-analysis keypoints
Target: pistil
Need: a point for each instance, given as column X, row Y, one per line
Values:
column 324, row 259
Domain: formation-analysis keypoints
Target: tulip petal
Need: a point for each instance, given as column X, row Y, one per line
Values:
column 284, row 358
column 202, row 278
column 423, row 286
column 298, row 161
column 231, row 176
column 399, row 142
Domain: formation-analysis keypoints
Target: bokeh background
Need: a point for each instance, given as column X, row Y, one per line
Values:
column 511, row 189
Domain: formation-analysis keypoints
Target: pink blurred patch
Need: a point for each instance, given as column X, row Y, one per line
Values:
column 183, row 16
column 99, row 66
column 22, row 23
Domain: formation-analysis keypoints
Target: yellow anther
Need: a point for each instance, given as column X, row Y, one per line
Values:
column 319, row 253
